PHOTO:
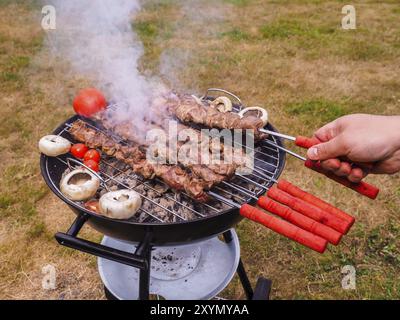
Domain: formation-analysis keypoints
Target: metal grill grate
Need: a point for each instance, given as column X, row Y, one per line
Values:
column 158, row 203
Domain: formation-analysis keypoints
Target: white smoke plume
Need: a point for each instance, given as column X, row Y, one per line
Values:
column 200, row 21
column 96, row 38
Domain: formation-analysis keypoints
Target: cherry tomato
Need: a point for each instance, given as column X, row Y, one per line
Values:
column 89, row 101
column 79, row 150
column 92, row 155
column 91, row 164
column 93, row 205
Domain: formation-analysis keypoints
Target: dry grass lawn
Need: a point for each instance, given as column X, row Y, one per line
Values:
column 290, row 56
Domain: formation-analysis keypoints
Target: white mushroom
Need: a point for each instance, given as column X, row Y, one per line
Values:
column 261, row 113
column 53, row 145
column 121, row 204
column 223, row 104
column 79, row 185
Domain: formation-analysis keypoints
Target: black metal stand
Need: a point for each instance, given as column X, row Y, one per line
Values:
column 141, row 259
column 263, row 287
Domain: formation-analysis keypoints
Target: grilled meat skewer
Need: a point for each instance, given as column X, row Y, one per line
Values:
column 199, row 166
column 135, row 156
column 187, row 109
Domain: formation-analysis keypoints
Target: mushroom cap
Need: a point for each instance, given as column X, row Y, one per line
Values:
column 121, row 204
column 53, row 145
column 80, row 184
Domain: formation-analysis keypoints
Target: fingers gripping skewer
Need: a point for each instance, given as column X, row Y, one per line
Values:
column 363, row 188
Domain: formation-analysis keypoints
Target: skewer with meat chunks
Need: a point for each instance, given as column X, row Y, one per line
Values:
column 135, row 156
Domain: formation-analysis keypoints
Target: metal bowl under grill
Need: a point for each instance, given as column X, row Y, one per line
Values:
column 186, row 219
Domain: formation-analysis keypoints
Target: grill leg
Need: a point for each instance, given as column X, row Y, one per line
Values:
column 248, row 290
column 263, row 289
column 144, row 278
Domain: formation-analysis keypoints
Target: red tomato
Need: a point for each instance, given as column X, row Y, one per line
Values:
column 89, row 101
column 79, row 150
column 93, row 205
column 91, row 164
column 92, row 155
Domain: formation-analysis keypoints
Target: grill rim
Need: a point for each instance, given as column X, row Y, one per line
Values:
column 78, row 209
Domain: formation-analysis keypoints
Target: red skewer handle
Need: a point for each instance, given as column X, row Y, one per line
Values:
column 309, row 210
column 284, row 228
column 300, row 220
column 362, row 187
column 303, row 195
column 306, row 143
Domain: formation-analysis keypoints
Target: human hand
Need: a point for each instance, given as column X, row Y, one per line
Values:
column 372, row 142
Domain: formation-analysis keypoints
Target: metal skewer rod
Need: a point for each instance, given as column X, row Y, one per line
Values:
column 294, row 154
column 151, row 188
column 252, row 181
column 263, row 174
column 363, row 188
column 225, row 200
column 142, row 209
column 277, row 134
column 266, row 177
column 230, row 193
column 238, row 189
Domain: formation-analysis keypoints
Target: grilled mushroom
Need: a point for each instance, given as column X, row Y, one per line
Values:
column 223, row 104
column 121, row 204
column 260, row 113
column 53, row 145
column 79, row 185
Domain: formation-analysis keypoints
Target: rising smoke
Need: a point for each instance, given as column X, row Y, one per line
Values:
column 97, row 40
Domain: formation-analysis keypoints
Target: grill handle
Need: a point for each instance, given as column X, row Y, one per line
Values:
column 71, row 240
column 306, row 143
column 307, row 197
column 309, row 210
column 362, row 187
column 100, row 250
column 284, row 228
column 300, row 220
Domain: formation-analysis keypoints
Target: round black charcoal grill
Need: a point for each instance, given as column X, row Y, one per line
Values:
column 171, row 218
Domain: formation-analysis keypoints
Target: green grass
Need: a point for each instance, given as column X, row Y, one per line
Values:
column 290, row 56
column 6, row 201
column 315, row 37
column 146, row 29
column 239, row 3
column 320, row 111
column 236, row 35
column 384, row 245
column 363, row 50
column 10, row 77
column 37, row 230
column 16, row 63
column 282, row 29
column 153, row 30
